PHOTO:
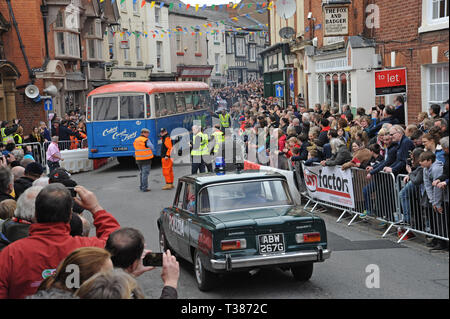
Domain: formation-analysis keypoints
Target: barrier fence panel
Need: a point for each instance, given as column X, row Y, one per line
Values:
column 331, row 196
column 418, row 215
column 386, row 198
column 381, row 199
column 37, row 151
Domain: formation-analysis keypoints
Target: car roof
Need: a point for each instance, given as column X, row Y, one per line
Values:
column 204, row 179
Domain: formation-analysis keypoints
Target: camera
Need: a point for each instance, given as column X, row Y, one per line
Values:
column 72, row 191
column 409, row 161
column 153, row 259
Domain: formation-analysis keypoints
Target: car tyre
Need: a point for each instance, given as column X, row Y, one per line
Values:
column 302, row 272
column 205, row 279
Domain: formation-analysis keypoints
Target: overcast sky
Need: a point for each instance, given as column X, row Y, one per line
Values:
column 208, row 2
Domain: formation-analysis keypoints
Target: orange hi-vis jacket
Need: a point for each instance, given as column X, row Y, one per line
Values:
column 73, row 142
column 142, row 152
column 166, row 147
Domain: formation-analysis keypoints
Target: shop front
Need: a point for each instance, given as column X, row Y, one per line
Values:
column 342, row 76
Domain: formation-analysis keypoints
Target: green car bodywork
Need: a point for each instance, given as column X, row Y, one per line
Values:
column 198, row 236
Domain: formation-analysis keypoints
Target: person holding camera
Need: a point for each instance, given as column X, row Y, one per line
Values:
column 127, row 248
column 49, row 240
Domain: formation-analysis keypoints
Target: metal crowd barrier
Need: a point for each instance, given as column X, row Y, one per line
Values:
column 67, row 145
column 382, row 197
column 417, row 214
column 37, row 151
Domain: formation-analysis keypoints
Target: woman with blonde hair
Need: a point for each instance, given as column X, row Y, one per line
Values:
column 87, row 261
column 113, row 284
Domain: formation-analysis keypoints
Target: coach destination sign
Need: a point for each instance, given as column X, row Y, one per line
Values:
column 336, row 21
column 390, row 81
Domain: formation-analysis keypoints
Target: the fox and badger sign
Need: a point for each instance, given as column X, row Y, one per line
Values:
column 330, row 184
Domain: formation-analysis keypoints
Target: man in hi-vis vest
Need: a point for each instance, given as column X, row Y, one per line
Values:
column 224, row 119
column 143, row 153
column 199, row 148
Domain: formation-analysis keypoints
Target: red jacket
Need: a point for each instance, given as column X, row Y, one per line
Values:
column 25, row 261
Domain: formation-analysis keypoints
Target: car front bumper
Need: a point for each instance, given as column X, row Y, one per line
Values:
column 229, row 263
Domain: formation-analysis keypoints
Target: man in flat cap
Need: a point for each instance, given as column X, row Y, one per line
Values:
column 143, row 152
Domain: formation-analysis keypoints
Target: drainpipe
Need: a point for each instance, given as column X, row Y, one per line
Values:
column 22, row 47
column 44, row 11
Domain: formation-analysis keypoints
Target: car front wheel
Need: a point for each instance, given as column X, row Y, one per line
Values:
column 205, row 279
column 302, row 272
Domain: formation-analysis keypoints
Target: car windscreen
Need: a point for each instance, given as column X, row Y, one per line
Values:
column 233, row 196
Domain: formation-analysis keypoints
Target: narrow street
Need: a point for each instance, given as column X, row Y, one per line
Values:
column 407, row 270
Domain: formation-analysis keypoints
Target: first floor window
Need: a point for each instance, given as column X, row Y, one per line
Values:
column 67, row 44
column 95, row 49
column 126, row 49
column 179, row 42
column 240, row 47
column 159, row 50
column 217, row 62
column 252, row 53
column 112, row 50
column 138, row 49
column 197, row 42
column 439, row 10
column 437, row 84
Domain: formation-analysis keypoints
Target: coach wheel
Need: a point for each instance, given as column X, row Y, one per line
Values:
column 302, row 272
column 205, row 279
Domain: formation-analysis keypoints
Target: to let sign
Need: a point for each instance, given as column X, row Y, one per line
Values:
column 390, row 81
column 336, row 21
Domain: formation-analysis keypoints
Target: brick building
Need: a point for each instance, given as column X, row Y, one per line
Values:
column 26, row 25
column 340, row 62
column 54, row 43
column 414, row 34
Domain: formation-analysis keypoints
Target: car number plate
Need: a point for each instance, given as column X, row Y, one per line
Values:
column 117, row 149
column 271, row 243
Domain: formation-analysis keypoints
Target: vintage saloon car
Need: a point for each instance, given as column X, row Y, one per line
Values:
column 239, row 221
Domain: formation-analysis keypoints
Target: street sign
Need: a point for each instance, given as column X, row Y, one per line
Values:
column 48, row 105
column 392, row 81
column 279, row 90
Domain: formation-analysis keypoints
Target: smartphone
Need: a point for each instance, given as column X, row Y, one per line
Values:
column 72, row 191
column 153, row 259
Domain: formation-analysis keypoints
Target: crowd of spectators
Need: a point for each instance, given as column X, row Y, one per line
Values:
column 45, row 233
column 376, row 141
column 71, row 130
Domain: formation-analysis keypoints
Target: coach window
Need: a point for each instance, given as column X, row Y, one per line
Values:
column 160, row 104
column 196, row 100
column 105, row 108
column 189, row 102
column 171, row 103
column 181, row 103
column 131, row 107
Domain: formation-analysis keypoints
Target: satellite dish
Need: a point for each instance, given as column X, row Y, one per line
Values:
column 287, row 32
column 286, row 8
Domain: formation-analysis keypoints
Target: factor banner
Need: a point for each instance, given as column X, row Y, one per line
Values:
column 330, row 184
